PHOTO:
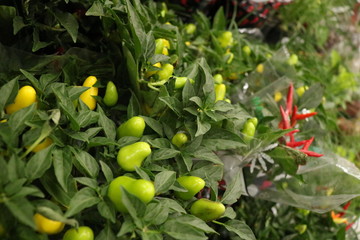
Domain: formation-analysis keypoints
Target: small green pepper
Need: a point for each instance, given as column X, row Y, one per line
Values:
column 133, row 127
column 81, row 233
column 192, row 184
column 133, row 155
column 140, row 188
column 207, row 210
column 180, row 82
column 246, row 50
column 226, row 39
column 166, row 72
column 249, row 129
column 190, row 28
column 111, row 95
column 218, row 78
column 220, row 91
column 179, row 139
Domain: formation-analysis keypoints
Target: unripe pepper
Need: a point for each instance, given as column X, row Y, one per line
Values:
column 249, row 129
column 192, row 184
column 133, row 155
column 166, row 72
column 46, row 225
column 190, row 28
column 246, row 50
column 25, row 97
column 111, row 95
column 150, row 73
column 220, row 91
column 180, row 82
column 160, row 45
column 293, row 59
column 207, row 210
column 81, row 233
column 226, row 39
column 87, row 96
column 179, row 139
column 228, row 56
column 141, row 188
column 218, row 78
column 260, row 68
column 133, row 127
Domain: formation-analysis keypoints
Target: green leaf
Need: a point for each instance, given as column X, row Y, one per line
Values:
column 204, row 154
column 37, row 44
column 38, row 164
column 49, row 182
column 69, row 22
column 106, row 234
column 173, row 205
column 23, row 210
column 219, row 22
column 85, row 163
column 107, row 124
column 234, row 189
column 173, row 103
column 95, row 10
column 89, row 182
column 62, row 162
column 54, row 215
column 83, row 199
column 164, row 180
column 202, row 127
column 285, row 159
column 137, row 29
column 127, row 226
column 193, row 221
column 3, row 172
column 159, row 143
column 8, row 92
column 107, row 210
column 106, row 171
column 18, row 24
column 14, row 186
column 154, row 125
column 183, row 231
column 134, row 205
column 164, row 153
column 17, row 120
column 239, row 228
column 312, row 97
column 156, row 213
column 134, row 107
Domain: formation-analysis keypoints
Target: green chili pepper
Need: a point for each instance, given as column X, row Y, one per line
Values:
column 220, row 91
column 249, row 129
column 133, row 155
column 140, row 188
column 179, row 139
column 207, row 210
column 166, row 72
column 133, row 127
column 218, row 78
column 192, row 184
column 111, row 94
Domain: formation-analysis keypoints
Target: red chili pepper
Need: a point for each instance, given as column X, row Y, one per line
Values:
column 346, row 206
column 308, row 143
column 293, row 116
column 295, row 144
column 305, row 115
column 291, row 134
column 289, row 100
column 311, row 153
column 285, row 118
column 348, row 226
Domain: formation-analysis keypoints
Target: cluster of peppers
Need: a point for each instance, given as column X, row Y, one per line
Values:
column 289, row 119
column 338, row 218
